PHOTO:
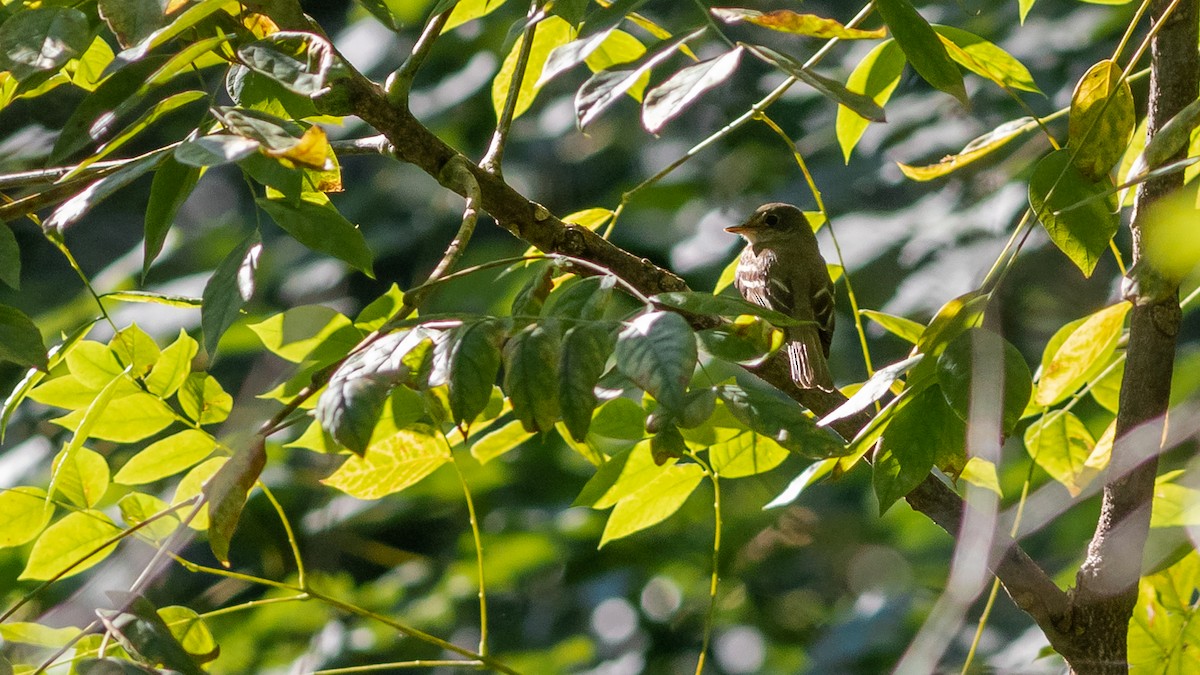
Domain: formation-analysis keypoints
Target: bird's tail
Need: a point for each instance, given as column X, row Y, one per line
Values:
column 809, row 368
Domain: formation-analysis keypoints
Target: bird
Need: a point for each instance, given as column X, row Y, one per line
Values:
column 781, row 268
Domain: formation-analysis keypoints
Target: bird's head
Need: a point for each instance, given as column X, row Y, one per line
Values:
column 773, row 222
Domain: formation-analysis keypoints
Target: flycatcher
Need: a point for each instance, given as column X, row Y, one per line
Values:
column 781, row 268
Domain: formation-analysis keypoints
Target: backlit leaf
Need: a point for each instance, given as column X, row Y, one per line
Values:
column 499, row 441
column 308, row 332
column 82, row 477
column 787, row 21
column 1102, row 120
column 173, row 365
column 124, row 420
column 167, row 457
column 906, row 329
column 24, row 513
column 1164, row 626
column 551, row 33
column 70, row 545
column 747, row 454
column 654, row 503
column 1061, row 444
column 392, row 465
column 977, row 149
column 1080, row 350
column 138, row 507
column 986, row 59
column 203, row 399
column 876, row 77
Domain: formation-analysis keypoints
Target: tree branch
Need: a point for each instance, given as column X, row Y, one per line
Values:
column 1106, row 585
column 1029, row 585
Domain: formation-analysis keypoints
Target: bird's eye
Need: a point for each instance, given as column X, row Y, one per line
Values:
column 771, row 220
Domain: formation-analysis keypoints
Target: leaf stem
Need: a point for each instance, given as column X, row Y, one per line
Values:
column 495, row 153
column 483, row 617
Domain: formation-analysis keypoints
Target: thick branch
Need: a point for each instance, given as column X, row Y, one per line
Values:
column 533, row 223
column 1107, row 581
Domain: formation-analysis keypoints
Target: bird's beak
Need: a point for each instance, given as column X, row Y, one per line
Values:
column 743, row 228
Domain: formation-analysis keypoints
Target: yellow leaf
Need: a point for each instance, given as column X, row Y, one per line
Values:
column 552, row 32
column 1085, row 349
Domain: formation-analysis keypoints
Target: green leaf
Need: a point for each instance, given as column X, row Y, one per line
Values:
column 138, row 507
column 531, row 360
column 28, row 633
column 500, row 441
column 657, row 350
column 131, row 21
column 1175, row 505
column 747, row 454
column 1164, row 628
column 1079, row 351
column 167, row 457
column 982, row 473
column 228, row 290
column 156, row 111
column 905, row 329
column 607, row 86
column 352, row 405
column 93, row 364
column 781, row 420
column 152, row 298
column 20, row 340
column 876, row 77
column 566, row 56
column 227, row 492
column 309, row 332
column 203, row 399
column 321, row 228
column 24, row 513
column 872, row 390
column 829, row 88
column 139, row 629
column 986, row 59
column 124, row 420
column 585, row 299
column 747, row 343
column 551, row 33
column 254, row 91
column 189, row 629
column 172, row 183
column 654, row 503
column 698, row 302
column 64, row 392
column 114, row 97
column 33, row 376
column 957, row 365
column 85, row 428
column 1061, row 444
column 215, row 150
column 922, row 47
column 91, row 65
column 473, row 360
column 923, row 434
column 465, row 11
column 10, row 258
column 585, row 353
column 1102, row 120
column 787, row 21
column 185, row 20
column 135, row 350
column 75, row 208
column 1170, row 139
column 393, row 464
column 190, row 487
column 375, row 315
column 975, row 150
column 173, row 366
column 41, row 39
column 952, row 319
column 618, row 49
column 69, row 546
column 667, row 100
column 81, row 476
column 301, row 62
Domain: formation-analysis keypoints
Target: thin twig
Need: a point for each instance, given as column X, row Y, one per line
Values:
column 495, row 153
column 399, row 83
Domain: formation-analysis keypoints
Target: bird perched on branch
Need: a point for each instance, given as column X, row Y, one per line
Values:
column 781, row 268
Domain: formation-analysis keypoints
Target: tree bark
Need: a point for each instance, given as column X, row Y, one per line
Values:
column 1106, row 585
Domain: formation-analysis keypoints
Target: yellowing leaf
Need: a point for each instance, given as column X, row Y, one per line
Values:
column 1061, row 445
column 1102, row 119
column 655, row 502
column 392, row 464
column 551, row 32
column 787, row 21
column 981, row 473
column 311, row 150
column 977, row 149
column 1085, row 350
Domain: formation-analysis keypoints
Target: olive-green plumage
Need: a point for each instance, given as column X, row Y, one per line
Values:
column 781, row 268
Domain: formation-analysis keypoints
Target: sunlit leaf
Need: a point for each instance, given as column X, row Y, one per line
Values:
column 28, row 633
column 669, row 99
column 24, row 513
column 191, row 631
column 203, row 399
column 392, row 465
column 872, row 390
column 173, row 365
column 215, row 150
column 787, row 21
column 75, row 208
column 1164, row 627
column 138, row 507
column 499, row 441
column 82, row 476
column 831, row 89
column 551, row 33
column 70, row 546
column 975, row 150
column 1082, row 233
column 134, row 348
column 747, row 454
column 466, row 10
column 1102, row 120
column 171, row 455
column 986, row 59
column 654, row 503
column 876, row 77
column 191, row 486
column 981, row 473
column 1061, row 444
column 698, row 302
column 1078, row 351
column 298, row 61
column 124, row 420
column 620, row 48
column 607, row 86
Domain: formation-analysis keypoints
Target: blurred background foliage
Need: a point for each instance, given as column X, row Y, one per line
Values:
column 821, row 586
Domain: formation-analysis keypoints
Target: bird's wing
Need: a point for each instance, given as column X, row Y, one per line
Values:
column 757, row 285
